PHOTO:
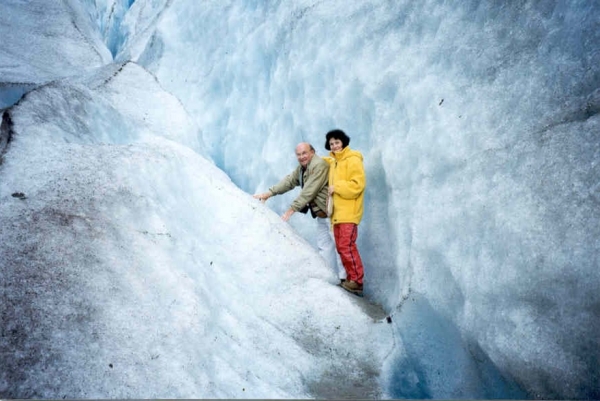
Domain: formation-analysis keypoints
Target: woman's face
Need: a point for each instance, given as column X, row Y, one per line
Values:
column 335, row 144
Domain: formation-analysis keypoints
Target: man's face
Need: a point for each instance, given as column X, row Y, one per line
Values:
column 304, row 154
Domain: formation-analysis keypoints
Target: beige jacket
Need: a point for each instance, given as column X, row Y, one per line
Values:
column 313, row 181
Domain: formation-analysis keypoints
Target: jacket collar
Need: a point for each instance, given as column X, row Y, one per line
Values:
column 342, row 154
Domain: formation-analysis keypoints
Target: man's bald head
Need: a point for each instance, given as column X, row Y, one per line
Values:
column 304, row 153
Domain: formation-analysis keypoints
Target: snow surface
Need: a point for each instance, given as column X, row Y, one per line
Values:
column 135, row 263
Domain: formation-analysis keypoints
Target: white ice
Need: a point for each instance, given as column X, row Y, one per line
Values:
column 135, row 263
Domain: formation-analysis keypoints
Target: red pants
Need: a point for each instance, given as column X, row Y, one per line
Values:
column 345, row 242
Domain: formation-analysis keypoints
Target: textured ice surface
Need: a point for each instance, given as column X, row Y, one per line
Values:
column 132, row 266
column 480, row 129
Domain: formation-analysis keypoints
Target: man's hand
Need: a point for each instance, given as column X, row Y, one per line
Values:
column 263, row 197
column 331, row 190
column 286, row 216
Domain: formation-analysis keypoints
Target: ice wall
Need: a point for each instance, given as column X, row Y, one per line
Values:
column 132, row 267
column 107, row 16
column 479, row 124
column 480, row 129
column 53, row 40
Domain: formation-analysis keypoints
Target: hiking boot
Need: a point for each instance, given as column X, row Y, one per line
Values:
column 342, row 280
column 352, row 286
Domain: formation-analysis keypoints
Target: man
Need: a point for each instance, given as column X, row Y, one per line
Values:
column 311, row 175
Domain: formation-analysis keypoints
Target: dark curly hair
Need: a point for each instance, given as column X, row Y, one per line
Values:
column 337, row 134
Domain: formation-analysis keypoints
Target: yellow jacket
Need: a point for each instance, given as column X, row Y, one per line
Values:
column 347, row 175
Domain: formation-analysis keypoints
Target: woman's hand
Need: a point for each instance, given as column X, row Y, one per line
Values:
column 331, row 190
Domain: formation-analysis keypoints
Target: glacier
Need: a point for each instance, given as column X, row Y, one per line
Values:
column 135, row 263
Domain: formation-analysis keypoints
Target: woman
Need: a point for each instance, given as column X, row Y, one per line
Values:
column 346, row 186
